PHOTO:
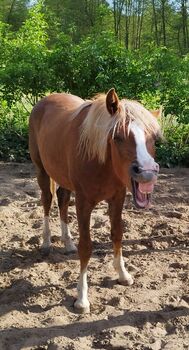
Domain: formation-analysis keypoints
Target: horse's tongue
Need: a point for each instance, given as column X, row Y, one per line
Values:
column 146, row 187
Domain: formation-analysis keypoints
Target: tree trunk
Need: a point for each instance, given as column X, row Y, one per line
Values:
column 118, row 9
column 10, row 11
column 139, row 15
column 184, row 24
column 128, row 5
column 155, row 23
column 163, row 21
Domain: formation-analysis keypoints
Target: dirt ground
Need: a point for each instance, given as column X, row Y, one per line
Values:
column 37, row 293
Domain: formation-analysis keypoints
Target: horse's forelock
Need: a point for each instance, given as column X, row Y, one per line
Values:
column 145, row 120
column 98, row 125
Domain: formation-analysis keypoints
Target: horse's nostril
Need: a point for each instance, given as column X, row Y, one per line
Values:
column 157, row 167
column 136, row 168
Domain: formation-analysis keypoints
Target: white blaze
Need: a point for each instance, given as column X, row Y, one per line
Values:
column 143, row 157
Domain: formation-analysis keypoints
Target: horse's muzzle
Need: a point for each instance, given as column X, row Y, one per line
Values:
column 143, row 175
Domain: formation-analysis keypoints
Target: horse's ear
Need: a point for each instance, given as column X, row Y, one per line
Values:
column 112, row 101
column 157, row 113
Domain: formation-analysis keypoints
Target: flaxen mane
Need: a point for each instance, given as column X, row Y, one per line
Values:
column 98, row 124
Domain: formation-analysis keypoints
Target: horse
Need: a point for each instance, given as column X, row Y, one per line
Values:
column 95, row 148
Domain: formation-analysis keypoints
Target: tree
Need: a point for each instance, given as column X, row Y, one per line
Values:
column 154, row 19
column 24, row 71
column 163, row 4
column 76, row 18
column 185, row 24
column 128, row 7
column 117, row 11
column 14, row 12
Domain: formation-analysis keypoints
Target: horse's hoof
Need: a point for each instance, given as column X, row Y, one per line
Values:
column 71, row 249
column 70, row 252
column 81, row 309
column 128, row 282
column 45, row 251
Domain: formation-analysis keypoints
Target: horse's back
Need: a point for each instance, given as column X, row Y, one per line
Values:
column 55, row 105
column 48, row 116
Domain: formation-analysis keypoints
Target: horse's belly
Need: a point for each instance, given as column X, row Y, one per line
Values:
column 61, row 178
column 57, row 171
column 65, row 183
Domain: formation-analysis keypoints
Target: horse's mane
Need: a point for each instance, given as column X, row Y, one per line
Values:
column 98, row 124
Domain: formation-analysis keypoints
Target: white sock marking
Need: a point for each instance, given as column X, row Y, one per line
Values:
column 46, row 233
column 119, row 266
column 82, row 301
column 67, row 237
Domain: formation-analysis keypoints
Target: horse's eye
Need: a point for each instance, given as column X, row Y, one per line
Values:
column 118, row 138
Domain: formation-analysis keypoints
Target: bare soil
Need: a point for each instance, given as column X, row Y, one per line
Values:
column 37, row 293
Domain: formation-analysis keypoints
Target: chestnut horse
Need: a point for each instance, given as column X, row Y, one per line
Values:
column 96, row 149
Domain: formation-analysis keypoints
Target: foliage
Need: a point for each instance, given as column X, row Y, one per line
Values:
column 134, row 22
column 175, row 149
column 13, row 132
column 77, row 18
column 24, row 71
column 103, row 59
column 14, row 12
column 61, row 64
column 32, row 65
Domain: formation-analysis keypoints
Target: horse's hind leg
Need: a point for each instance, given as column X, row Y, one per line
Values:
column 44, row 184
column 115, row 210
column 63, row 196
column 46, row 199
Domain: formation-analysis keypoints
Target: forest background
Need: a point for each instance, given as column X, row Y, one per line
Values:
column 140, row 47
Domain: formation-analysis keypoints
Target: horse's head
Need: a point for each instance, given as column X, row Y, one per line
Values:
column 132, row 142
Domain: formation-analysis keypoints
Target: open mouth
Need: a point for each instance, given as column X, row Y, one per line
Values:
column 142, row 193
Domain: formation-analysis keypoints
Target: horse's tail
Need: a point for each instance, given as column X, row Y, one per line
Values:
column 52, row 188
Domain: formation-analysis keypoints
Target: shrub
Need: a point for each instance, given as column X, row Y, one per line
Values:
column 24, row 65
column 13, row 132
column 175, row 149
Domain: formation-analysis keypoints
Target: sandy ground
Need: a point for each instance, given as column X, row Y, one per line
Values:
column 37, row 293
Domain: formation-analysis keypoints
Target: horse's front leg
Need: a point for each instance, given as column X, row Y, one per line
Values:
column 84, row 209
column 115, row 211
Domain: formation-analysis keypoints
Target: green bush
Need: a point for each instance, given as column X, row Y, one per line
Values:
column 174, row 150
column 13, row 132
column 24, row 65
column 158, row 73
